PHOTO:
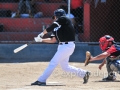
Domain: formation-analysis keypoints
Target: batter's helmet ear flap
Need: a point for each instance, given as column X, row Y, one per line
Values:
column 53, row 17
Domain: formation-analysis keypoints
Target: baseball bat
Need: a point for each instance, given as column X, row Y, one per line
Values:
column 22, row 47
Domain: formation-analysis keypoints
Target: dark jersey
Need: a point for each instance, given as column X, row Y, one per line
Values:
column 62, row 29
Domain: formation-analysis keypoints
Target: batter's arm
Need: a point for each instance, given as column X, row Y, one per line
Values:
column 49, row 40
column 44, row 32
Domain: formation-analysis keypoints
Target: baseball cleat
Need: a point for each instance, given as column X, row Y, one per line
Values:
column 86, row 77
column 39, row 83
column 108, row 79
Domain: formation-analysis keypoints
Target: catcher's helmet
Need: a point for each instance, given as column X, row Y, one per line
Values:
column 104, row 41
column 59, row 12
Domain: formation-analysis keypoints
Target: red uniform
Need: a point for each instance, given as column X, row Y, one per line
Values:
column 114, row 50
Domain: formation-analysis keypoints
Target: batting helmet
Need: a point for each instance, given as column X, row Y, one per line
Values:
column 104, row 41
column 59, row 12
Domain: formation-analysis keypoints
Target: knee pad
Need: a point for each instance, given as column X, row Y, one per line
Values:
column 113, row 67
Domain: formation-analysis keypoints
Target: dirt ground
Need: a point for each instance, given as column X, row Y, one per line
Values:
column 19, row 76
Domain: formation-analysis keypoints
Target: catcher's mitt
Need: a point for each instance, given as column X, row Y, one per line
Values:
column 88, row 56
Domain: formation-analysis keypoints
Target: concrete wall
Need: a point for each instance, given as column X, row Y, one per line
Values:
column 42, row 52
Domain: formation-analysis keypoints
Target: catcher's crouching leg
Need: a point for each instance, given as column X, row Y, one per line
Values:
column 115, row 66
column 110, row 69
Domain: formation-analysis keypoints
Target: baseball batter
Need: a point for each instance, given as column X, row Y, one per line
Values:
column 63, row 33
column 111, row 56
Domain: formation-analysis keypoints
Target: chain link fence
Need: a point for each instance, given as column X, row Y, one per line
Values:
column 20, row 22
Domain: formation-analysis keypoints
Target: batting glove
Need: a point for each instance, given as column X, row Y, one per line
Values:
column 38, row 39
column 41, row 35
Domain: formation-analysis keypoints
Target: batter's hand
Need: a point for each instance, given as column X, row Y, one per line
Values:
column 88, row 56
column 41, row 35
column 38, row 39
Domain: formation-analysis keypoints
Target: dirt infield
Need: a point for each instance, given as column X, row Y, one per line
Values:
column 19, row 76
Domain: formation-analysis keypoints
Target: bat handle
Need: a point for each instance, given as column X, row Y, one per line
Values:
column 30, row 42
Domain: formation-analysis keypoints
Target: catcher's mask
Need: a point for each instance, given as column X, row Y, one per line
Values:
column 104, row 42
column 58, row 13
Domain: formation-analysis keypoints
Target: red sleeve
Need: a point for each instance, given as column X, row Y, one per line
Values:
column 111, row 49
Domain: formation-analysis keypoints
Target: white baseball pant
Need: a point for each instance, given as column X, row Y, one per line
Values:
column 62, row 57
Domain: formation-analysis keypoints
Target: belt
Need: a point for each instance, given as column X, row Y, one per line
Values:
column 61, row 43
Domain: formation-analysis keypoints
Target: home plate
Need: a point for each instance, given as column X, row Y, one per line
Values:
column 55, row 84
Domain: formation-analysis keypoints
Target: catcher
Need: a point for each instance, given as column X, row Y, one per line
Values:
column 111, row 56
